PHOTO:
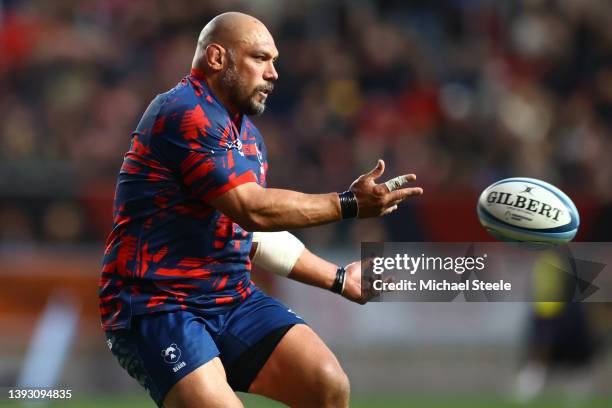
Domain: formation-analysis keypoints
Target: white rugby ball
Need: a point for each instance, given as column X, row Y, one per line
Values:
column 528, row 210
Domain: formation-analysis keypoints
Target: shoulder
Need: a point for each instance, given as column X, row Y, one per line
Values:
column 190, row 98
column 190, row 107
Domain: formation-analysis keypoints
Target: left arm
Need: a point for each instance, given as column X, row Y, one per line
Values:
column 316, row 271
column 281, row 255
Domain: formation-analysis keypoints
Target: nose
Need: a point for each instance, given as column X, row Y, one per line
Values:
column 270, row 73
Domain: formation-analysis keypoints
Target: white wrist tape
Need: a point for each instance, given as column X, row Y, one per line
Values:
column 276, row 252
column 395, row 183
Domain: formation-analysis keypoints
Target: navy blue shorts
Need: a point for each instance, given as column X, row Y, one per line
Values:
column 160, row 349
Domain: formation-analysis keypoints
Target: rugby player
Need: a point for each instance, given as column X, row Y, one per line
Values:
column 178, row 307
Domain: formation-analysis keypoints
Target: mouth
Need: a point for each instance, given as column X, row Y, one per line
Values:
column 264, row 91
column 262, row 95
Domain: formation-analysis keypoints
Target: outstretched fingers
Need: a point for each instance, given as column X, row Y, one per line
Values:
column 396, row 194
column 396, row 197
column 381, row 199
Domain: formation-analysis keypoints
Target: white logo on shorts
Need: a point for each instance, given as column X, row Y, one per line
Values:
column 296, row 315
column 171, row 354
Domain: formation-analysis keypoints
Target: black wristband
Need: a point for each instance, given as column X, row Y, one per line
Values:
column 338, row 285
column 348, row 204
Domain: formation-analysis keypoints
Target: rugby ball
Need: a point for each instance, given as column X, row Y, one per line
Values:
column 528, row 210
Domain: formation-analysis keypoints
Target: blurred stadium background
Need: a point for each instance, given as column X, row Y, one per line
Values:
column 461, row 92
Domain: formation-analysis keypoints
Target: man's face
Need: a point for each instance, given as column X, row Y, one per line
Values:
column 250, row 73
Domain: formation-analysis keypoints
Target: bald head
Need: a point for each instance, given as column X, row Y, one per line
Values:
column 229, row 30
column 236, row 53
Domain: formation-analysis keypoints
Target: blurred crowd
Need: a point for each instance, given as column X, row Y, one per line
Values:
column 461, row 92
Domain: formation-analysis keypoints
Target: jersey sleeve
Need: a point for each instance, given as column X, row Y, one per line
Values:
column 200, row 150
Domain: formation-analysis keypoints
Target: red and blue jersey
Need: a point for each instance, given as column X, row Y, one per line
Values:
column 169, row 248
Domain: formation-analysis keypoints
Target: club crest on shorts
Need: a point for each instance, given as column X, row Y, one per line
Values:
column 171, row 354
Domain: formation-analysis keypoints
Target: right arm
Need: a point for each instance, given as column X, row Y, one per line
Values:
column 193, row 145
column 257, row 208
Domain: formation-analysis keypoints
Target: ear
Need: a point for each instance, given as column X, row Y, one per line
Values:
column 215, row 56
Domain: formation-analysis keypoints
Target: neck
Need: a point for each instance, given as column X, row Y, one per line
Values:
column 217, row 90
column 237, row 119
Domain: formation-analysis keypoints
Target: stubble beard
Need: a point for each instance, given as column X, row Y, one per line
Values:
column 246, row 103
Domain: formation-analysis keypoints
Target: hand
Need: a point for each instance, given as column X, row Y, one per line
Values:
column 375, row 199
column 352, row 288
